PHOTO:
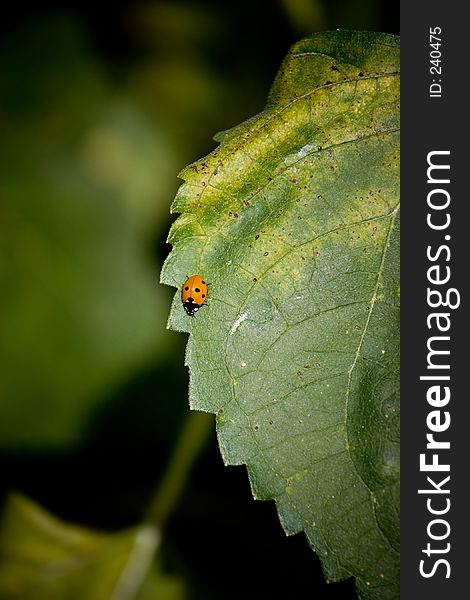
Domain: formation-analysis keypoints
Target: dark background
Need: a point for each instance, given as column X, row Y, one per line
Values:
column 189, row 69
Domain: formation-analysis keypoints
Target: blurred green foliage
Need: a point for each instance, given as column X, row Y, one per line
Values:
column 80, row 309
column 46, row 559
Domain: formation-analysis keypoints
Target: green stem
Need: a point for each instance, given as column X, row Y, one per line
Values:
column 192, row 438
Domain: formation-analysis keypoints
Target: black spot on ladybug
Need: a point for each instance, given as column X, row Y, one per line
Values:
column 197, row 290
column 203, row 295
column 186, row 288
column 204, row 282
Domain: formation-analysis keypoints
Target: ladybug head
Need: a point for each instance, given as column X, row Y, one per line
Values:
column 191, row 307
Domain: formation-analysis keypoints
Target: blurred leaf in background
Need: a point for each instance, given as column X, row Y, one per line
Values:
column 44, row 558
column 80, row 309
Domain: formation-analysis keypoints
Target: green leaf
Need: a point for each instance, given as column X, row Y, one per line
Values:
column 293, row 221
column 45, row 558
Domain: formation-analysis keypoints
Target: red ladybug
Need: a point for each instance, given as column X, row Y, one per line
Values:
column 193, row 294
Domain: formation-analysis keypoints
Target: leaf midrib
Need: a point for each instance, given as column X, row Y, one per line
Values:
column 356, row 357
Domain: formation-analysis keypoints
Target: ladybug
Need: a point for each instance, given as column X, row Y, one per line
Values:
column 193, row 294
